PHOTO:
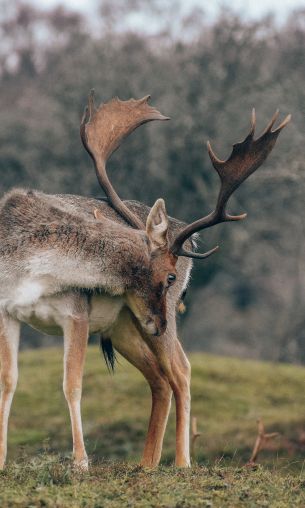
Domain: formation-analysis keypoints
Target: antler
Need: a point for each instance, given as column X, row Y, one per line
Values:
column 246, row 157
column 102, row 131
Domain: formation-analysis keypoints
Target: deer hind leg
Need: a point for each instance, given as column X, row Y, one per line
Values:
column 180, row 379
column 75, row 346
column 9, row 342
column 128, row 341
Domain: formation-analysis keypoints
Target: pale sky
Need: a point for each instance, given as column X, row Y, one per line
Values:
column 248, row 8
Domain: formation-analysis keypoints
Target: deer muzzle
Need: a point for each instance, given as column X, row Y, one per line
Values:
column 155, row 327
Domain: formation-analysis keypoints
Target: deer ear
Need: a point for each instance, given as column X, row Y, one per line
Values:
column 98, row 215
column 157, row 225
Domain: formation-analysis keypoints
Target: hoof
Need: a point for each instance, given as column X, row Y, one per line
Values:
column 148, row 464
column 81, row 466
column 183, row 464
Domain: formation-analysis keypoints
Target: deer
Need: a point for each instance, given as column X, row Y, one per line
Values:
column 73, row 265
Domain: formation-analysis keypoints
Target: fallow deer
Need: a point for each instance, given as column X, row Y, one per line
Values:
column 73, row 265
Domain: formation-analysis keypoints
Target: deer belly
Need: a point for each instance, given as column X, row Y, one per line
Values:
column 104, row 311
column 42, row 316
column 48, row 314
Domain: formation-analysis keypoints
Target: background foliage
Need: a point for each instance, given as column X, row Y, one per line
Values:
column 249, row 299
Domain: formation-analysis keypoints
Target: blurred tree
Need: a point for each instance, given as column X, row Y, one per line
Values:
column 249, row 298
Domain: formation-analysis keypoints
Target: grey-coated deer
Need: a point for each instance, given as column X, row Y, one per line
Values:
column 73, row 265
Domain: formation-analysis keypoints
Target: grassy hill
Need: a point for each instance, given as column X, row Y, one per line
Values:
column 228, row 395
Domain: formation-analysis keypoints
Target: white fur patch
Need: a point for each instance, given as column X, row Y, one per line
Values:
column 187, row 276
column 28, row 292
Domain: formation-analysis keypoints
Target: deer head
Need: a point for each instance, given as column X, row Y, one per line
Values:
column 149, row 296
column 102, row 131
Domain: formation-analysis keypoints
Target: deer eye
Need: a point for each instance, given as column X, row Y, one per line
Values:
column 171, row 278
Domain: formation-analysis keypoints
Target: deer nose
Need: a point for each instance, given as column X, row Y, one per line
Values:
column 151, row 327
column 161, row 328
column 155, row 327
column 163, row 325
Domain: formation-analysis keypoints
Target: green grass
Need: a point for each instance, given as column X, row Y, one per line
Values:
column 228, row 395
column 49, row 482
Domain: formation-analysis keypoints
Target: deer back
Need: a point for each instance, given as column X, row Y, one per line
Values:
column 140, row 210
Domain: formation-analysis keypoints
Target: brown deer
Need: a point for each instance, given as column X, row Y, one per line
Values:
column 73, row 265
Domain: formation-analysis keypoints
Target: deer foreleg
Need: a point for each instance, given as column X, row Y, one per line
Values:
column 176, row 366
column 161, row 401
column 75, row 344
column 9, row 342
column 129, row 342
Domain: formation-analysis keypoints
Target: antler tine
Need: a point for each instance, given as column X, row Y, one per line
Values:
column 87, row 115
column 246, row 157
column 102, row 131
column 91, row 104
column 271, row 123
column 283, row 124
column 253, row 122
column 82, row 127
column 197, row 255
